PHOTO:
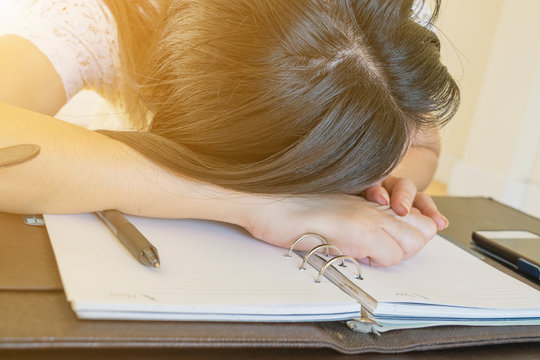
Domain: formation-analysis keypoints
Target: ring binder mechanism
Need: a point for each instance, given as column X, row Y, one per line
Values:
column 364, row 324
column 302, row 237
column 317, row 248
column 325, row 245
column 341, row 257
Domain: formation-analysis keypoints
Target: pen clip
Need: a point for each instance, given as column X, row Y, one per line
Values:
column 33, row 220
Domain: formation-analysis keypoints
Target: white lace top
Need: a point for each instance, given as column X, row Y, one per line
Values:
column 80, row 39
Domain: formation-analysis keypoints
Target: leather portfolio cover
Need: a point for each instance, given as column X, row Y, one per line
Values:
column 26, row 257
column 36, row 314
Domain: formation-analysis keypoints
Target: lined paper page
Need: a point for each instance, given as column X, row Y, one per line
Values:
column 443, row 273
column 206, row 268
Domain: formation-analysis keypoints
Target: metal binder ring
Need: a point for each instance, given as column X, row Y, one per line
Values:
column 317, row 248
column 323, row 240
column 341, row 257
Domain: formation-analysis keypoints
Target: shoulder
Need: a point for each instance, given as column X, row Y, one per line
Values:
column 79, row 38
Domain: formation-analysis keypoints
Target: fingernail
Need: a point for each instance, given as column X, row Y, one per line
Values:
column 445, row 222
column 386, row 198
column 406, row 204
column 442, row 222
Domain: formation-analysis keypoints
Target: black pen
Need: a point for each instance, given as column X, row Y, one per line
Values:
column 130, row 237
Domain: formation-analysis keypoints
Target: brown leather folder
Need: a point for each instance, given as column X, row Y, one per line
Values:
column 34, row 312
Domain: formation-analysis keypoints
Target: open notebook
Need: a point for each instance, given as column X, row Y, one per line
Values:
column 217, row 272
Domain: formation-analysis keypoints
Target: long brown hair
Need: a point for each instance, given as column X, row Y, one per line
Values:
column 283, row 96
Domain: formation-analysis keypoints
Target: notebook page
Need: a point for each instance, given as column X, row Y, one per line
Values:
column 206, row 268
column 444, row 274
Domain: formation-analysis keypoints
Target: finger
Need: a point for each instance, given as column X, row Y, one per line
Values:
column 412, row 235
column 422, row 223
column 384, row 250
column 402, row 194
column 377, row 194
column 427, row 207
column 373, row 245
column 369, row 261
column 366, row 261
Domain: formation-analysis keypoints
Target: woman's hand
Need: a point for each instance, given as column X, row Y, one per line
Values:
column 415, row 171
column 402, row 197
column 365, row 230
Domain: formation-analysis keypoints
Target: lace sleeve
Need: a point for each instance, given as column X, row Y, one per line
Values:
column 79, row 38
column 422, row 14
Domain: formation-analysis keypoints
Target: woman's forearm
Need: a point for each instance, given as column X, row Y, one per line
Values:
column 82, row 171
column 421, row 159
column 418, row 165
column 79, row 170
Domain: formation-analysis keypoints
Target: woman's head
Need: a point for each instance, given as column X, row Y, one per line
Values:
column 290, row 96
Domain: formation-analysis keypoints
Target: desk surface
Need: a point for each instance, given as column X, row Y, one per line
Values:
column 465, row 215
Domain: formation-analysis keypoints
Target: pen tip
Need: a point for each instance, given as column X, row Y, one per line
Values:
column 149, row 257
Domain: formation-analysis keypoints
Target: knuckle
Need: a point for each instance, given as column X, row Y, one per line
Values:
column 392, row 255
column 423, row 195
column 429, row 229
column 357, row 252
column 391, row 258
column 415, row 246
column 432, row 230
column 403, row 182
column 371, row 192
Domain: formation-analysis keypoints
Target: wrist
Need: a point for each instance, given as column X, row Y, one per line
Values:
column 244, row 209
column 207, row 201
column 170, row 195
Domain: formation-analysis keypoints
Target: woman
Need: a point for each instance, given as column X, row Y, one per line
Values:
column 266, row 114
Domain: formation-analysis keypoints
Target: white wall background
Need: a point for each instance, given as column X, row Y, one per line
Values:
column 492, row 147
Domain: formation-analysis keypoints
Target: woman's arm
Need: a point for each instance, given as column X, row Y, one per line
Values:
column 79, row 170
column 420, row 161
column 28, row 78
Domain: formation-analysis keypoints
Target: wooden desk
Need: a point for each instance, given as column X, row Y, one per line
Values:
column 465, row 215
